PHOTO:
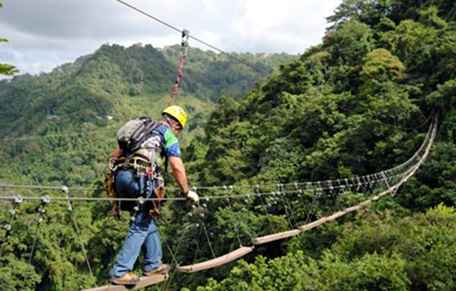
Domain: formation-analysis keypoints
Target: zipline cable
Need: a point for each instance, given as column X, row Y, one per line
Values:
column 237, row 224
column 169, row 25
column 150, row 16
column 190, row 36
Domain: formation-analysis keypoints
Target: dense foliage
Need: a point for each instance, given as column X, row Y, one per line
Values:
column 357, row 103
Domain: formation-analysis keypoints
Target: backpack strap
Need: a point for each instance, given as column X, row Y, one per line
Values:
column 142, row 134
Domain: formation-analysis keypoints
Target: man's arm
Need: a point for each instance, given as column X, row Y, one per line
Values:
column 178, row 170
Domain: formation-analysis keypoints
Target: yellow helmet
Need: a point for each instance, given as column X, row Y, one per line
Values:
column 177, row 113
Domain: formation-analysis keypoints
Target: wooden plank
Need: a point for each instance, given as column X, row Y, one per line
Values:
column 217, row 262
column 143, row 282
column 335, row 215
column 276, row 236
column 311, row 225
column 353, row 208
column 321, row 221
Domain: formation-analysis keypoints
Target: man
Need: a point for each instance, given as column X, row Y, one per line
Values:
column 128, row 180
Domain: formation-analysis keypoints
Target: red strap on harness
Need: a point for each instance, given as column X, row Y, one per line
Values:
column 180, row 67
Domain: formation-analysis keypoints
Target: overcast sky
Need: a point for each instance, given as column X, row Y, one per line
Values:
column 45, row 33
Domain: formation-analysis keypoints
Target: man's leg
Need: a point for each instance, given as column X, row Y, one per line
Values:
column 131, row 248
column 152, row 259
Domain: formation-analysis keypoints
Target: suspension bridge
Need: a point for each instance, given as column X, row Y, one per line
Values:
column 380, row 183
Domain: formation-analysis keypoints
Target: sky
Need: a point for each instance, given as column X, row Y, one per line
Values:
column 43, row 34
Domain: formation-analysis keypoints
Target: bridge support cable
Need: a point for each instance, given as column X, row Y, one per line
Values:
column 41, row 212
column 313, row 203
column 8, row 227
column 261, row 199
column 16, row 201
column 202, row 215
column 232, row 255
column 76, row 228
column 175, row 241
column 236, row 226
column 287, row 208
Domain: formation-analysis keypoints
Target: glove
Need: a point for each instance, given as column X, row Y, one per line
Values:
column 193, row 196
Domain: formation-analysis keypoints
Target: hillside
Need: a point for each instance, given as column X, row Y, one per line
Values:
column 210, row 75
column 90, row 98
column 98, row 84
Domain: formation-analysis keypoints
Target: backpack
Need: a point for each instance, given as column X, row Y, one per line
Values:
column 130, row 138
column 134, row 133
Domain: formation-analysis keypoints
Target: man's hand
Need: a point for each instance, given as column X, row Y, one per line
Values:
column 193, row 196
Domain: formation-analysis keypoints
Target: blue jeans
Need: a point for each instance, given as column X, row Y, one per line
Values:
column 143, row 233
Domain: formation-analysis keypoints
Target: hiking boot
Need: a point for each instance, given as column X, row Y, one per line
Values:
column 163, row 269
column 126, row 279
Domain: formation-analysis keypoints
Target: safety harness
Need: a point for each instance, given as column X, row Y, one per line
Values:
column 144, row 165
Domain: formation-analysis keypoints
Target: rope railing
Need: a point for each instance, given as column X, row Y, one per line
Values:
column 222, row 193
column 287, row 188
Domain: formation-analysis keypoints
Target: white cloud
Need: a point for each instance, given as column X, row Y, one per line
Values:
column 46, row 33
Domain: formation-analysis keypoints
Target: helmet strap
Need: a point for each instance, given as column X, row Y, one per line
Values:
column 171, row 122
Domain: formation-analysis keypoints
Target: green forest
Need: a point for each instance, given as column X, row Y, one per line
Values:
column 358, row 103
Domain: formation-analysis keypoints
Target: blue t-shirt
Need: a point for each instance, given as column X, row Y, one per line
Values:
column 170, row 144
column 162, row 142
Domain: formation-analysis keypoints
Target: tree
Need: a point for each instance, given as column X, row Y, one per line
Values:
column 6, row 69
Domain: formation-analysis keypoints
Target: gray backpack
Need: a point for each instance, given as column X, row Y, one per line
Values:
column 134, row 133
